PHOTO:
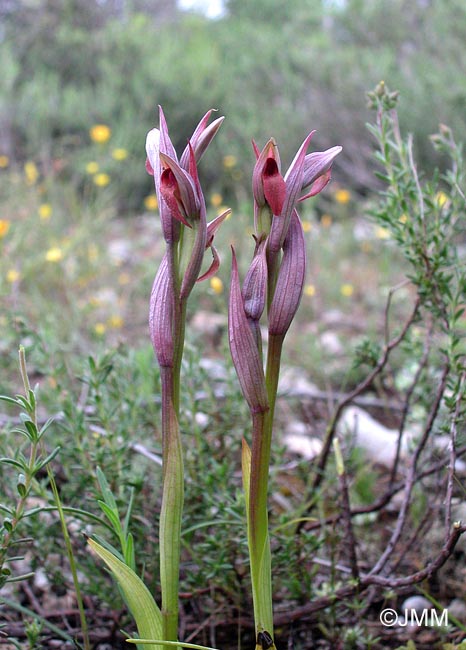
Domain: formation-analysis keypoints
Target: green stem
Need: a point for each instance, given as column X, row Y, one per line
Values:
column 258, row 534
column 272, row 372
column 173, row 471
column 172, row 459
column 172, row 506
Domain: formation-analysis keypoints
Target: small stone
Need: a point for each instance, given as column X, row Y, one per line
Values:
column 331, row 343
column 201, row 419
column 418, row 603
column 294, row 382
column 214, row 368
column 378, row 442
column 119, row 251
column 304, row 446
column 209, row 323
column 458, row 513
column 457, row 609
column 41, row 581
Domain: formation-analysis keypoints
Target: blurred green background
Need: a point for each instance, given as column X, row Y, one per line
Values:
column 272, row 67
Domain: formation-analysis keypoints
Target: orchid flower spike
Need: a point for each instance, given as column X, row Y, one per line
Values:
column 181, row 206
column 276, row 196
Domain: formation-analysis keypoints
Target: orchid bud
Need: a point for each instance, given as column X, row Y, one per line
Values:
column 161, row 315
column 203, row 135
column 244, row 350
column 255, row 289
column 290, row 281
column 316, row 165
column 255, row 283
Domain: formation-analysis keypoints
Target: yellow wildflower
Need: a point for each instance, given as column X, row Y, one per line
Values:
column 229, row 161
column 4, row 227
column 119, row 154
column 101, row 180
column 342, row 196
column 54, row 254
column 216, row 200
column 216, row 285
column 382, row 233
column 310, row 290
column 366, row 247
column 347, row 290
column 326, row 220
column 403, row 218
column 45, row 211
column 92, row 252
column 100, row 133
column 31, row 172
column 99, row 329
column 92, row 167
column 237, row 175
column 116, row 322
column 4, row 161
column 124, row 278
column 307, row 226
column 441, row 198
column 13, row 276
column 150, row 202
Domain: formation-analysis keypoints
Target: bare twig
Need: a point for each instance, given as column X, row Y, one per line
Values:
column 411, row 478
column 349, row 590
column 428, row 571
column 360, row 388
column 385, row 499
column 409, row 396
column 350, row 540
column 451, row 468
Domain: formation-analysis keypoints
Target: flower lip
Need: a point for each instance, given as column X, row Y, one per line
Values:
column 274, row 186
column 294, row 182
column 186, row 185
column 269, row 151
column 170, row 192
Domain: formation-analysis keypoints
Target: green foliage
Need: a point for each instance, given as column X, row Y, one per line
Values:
column 24, row 463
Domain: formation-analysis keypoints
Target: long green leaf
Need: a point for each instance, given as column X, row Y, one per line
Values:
column 172, row 644
column 144, row 609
